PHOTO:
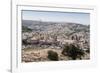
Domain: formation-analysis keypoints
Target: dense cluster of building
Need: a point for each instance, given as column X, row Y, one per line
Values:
column 36, row 39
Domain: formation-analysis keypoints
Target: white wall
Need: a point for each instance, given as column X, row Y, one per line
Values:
column 5, row 34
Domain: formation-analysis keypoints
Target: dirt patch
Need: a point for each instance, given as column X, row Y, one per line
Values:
column 33, row 55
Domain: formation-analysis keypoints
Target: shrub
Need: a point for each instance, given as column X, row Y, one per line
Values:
column 73, row 52
column 52, row 55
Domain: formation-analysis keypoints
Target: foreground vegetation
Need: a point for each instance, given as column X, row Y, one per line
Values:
column 69, row 52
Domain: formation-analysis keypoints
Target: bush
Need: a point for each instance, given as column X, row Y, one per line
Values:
column 73, row 52
column 52, row 55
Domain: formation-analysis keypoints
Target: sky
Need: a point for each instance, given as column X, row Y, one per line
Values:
column 74, row 17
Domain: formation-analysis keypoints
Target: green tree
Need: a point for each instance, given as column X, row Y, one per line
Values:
column 73, row 52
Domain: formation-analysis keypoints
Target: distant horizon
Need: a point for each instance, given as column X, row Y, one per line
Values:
column 56, row 22
column 50, row 16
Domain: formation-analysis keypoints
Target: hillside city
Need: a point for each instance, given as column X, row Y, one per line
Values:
column 39, row 37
